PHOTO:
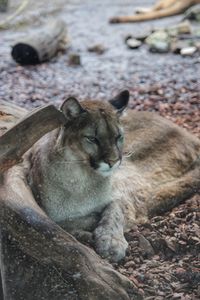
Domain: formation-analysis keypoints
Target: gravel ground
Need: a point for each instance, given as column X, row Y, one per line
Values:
column 163, row 258
column 166, row 83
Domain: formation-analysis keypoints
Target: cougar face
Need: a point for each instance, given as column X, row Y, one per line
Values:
column 93, row 132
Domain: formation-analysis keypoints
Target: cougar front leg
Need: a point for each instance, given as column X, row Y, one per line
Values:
column 84, row 237
column 109, row 234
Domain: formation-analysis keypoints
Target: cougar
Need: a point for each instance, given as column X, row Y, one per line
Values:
column 163, row 8
column 110, row 168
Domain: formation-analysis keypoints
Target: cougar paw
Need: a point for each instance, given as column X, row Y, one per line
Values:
column 114, row 20
column 110, row 246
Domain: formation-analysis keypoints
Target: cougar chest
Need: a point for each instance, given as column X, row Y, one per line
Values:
column 69, row 192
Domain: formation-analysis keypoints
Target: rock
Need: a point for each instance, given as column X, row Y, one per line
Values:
column 159, row 41
column 160, row 47
column 129, row 264
column 74, row 59
column 153, row 264
column 193, row 13
column 176, row 46
column 177, row 296
column 196, row 32
column 179, row 270
column 143, row 35
column 197, row 45
column 133, row 43
column 188, row 51
column 145, row 245
column 185, row 47
column 181, row 28
column 99, row 49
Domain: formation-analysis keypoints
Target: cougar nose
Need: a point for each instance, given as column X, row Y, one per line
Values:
column 112, row 162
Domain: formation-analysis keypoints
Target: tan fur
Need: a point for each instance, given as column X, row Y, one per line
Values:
column 160, row 168
column 162, row 154
column 163, row 8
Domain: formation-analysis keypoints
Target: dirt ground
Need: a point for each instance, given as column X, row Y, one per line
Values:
column 163, row 256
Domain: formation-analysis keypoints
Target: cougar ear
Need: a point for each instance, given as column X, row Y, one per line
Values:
column 71, row 108
column 120, row 102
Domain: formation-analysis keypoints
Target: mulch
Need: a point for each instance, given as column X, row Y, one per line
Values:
column 163, row 258
column 179, row 103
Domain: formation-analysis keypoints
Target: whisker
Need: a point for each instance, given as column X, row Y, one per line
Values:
column 129, row 153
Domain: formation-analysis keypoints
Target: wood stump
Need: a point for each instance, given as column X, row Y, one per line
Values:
column 40, row 45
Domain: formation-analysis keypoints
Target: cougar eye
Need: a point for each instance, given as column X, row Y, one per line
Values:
column 92, row 139
column 120, row 138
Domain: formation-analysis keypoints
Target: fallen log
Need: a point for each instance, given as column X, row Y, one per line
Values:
column 39, row 260
column 40, row 45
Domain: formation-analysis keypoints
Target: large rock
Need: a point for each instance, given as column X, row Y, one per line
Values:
column 181, row 28
column 159, row 41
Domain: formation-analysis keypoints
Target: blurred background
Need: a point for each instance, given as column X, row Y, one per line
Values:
column 163, row 82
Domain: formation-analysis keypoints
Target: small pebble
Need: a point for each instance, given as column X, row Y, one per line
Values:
column 188, row 51
column 74, row 59
column 99, row 49
column 133, row 43
column 129, row 264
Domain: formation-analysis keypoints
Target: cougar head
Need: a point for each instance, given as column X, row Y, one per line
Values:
column 93, row 132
